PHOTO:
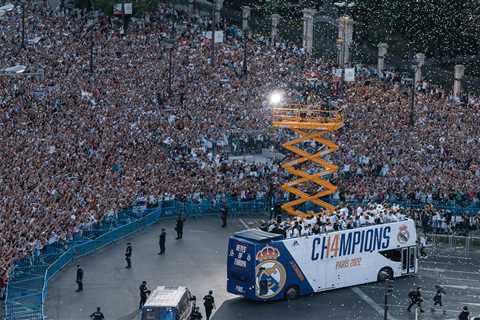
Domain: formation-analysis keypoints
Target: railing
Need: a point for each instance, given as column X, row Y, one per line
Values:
column 307, row 113
column 28, row 282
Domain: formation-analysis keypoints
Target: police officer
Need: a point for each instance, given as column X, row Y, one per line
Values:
column 196, row 315
column 161, row 241
column 437, row 298
column 464, row 315
column 415, row 299
column 128, row 255
column 97, row 315
column 144, row 292
column 209, row 304
column 79, row 278
column 179, row 227
column 224, row 215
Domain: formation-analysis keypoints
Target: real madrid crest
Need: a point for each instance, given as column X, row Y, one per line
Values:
column 270, row 273
column 403, row 234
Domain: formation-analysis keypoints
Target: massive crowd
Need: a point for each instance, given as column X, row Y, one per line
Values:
column 75, row 145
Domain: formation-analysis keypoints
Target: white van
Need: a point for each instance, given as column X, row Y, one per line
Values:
column 168, row 303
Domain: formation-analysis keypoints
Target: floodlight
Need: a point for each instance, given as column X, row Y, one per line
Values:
column 276, row 98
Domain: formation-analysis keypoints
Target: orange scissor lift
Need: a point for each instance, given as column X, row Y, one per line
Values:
column 310, row 123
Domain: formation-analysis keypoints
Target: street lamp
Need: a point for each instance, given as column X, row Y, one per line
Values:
column 23, row 25
column 214, row 4
column 412, row 95
column 92, row 44
column 245, row 52
column 124, row 18
column 388, row 291
column 169, row 45
column 275, row 98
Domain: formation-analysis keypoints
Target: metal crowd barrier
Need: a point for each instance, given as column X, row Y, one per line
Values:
column 28, row 282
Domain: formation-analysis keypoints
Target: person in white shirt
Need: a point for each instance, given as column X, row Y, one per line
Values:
column 423, row 244
column 293, row 232
column 363, row 219
column 271, row 227
column 306, row 230
column 370, row 220
column 328, row 227
column 359, row 211
column 394, row 217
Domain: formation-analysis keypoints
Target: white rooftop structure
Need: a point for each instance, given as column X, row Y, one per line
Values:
column 164, row 296
column 15, row 69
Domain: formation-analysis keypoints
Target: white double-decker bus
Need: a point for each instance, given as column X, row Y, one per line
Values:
column 264, row 266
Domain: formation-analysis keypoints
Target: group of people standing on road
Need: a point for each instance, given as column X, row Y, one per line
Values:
column 208, row 300
column 415, row 296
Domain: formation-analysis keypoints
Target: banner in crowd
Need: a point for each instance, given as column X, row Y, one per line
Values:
column 338, row 73
column 349, row 74
column 218, row 36
column 118, row 9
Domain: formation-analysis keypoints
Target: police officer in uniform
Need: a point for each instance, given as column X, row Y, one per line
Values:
column 128, row 255
column 79, row 278
column 196, row 315
column 179, row 227
column 224, row 215
column 437, row 298
column 97, row 315
column 144, row 292
column 161, row 241
column 465, row 314
column 209, row 304
column 415, row 299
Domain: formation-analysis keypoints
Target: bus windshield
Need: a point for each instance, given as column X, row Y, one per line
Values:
column 159, row 313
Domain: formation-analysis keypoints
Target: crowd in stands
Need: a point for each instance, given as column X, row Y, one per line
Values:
column 76, row 145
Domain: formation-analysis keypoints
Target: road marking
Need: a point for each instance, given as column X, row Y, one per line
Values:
column 469, row 263
column 461, row 279
column 460, row 287
column 244, row 223
column 471, row 304
column 445, row 270
column 450, row 257
column 370, row 301
column 404, row 307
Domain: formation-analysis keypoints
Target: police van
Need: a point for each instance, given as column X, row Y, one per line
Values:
column 264, row 266
column 168, row 303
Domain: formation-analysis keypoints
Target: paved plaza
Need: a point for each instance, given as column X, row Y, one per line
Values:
column 198, row 261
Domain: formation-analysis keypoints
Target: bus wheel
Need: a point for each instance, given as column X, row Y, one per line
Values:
column 292, row 293
column 385, row 273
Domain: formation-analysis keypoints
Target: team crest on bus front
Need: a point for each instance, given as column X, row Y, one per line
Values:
column 270, row 273
column 403, row 234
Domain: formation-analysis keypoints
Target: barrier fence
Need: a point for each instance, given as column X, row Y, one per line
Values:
column 28, row 282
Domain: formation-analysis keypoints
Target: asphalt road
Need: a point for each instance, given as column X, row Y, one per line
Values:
column 198, row 261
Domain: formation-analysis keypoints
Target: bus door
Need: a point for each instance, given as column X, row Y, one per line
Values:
column 409, row 260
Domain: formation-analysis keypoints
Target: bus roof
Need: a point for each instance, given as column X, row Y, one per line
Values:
column 164, row 296
column 258, row 235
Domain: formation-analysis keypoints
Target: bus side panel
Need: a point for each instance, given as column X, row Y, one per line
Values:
column 277, row 271
column 354, row 270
